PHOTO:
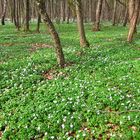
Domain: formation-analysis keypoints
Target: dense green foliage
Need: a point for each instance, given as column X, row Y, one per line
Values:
column 96, row 96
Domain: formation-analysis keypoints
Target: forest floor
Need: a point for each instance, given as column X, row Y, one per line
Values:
column 97, row 96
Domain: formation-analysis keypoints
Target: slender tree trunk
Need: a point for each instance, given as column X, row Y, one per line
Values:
column 90, row 10
column 54, row 34
column 134, row 7
column 63, row 6
column 52, row 10
column 126, row 17
column 17, row 15
column 27, row 15
column 83, row 40
column 38, row 23
column 98, row 15
column 114, row 13
column 4, row 12
column 68, row 15
column 108, row 9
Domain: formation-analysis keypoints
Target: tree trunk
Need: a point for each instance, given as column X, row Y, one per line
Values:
column 114, row 13
column 134, row 7
column 4, row 12
column 83, row 40
column 38, row 23
column 98, row 15
column 54, row 34
column 27, row 15
column 125, row 18
column 63, row 14
column 68, row 15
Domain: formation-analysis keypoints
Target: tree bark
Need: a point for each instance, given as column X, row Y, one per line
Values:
column 54, row 34
column 38, row 23
column 63, row 14
column 27, row 15
column 80, row 24
column 98, row 15
column 134, row 7
column 68, row 15
column 126, row 17
column 114, row 13
column 4, row 12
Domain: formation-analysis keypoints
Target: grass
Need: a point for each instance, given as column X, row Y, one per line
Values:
column 97, row 97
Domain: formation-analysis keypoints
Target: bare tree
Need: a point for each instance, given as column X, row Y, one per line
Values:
column 83, row 40
column 134, row 7
column 114, row 13
column 27, row 15
column 54, row 34
column 38, row 23
column 125, row 17
column 98, row 15
column 4, row 12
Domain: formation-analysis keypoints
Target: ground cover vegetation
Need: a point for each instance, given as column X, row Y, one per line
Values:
column 69, row 70
column 96, row 95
